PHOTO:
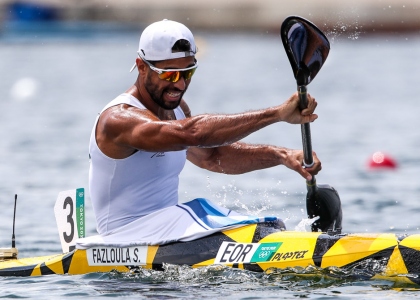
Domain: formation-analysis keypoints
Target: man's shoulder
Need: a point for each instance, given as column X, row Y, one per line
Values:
column 124, row 111
column 125, row 98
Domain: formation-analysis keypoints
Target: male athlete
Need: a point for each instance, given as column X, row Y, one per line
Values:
column 142, row 138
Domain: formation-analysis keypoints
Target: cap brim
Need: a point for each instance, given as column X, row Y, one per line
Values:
column 133, row 67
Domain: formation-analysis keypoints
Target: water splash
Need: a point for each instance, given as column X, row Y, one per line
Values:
column 231, row 196
column 185, row 275
column 347, row 25
column 217, row 276
column 304, row 224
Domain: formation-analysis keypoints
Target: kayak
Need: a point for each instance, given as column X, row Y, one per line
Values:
column 261, row 247
column 255, row 247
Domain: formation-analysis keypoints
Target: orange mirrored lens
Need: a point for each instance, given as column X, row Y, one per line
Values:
column 174, row 76
column 170, row 76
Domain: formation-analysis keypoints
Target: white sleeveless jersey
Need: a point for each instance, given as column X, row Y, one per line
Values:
column 123, row 190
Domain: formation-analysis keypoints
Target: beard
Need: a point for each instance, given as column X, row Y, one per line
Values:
column 157, row 95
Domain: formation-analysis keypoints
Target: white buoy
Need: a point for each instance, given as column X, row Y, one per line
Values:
column 24, row 89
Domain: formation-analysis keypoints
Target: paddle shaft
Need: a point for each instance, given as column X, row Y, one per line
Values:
column 308, row 159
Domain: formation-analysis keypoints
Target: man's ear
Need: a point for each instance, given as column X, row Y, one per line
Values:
column 141, row 66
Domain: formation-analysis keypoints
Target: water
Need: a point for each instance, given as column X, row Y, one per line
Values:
column 53, row 87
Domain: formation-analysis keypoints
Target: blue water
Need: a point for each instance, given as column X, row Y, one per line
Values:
column 368, row 91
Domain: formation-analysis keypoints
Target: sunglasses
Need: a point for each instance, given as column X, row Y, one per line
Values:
column 173, row 75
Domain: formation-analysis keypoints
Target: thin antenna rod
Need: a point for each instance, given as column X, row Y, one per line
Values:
column 14, row 218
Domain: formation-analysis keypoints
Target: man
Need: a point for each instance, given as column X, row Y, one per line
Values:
column 142, row 138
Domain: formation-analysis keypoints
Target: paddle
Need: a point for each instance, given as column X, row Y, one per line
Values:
column 307, row 49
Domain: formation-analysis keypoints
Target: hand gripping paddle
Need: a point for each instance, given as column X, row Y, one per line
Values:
column 307, row 49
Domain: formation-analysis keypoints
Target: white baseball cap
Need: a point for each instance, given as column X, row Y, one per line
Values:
column 158, row 38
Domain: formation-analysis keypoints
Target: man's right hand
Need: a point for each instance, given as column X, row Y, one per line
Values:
column 290, row 112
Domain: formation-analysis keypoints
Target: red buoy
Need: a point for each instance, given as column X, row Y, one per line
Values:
column 380, row 160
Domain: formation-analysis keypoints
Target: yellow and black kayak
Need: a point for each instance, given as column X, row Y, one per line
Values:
column 255, row 247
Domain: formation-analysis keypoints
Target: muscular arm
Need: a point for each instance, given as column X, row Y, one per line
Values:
column 236, row 158
column 239, row 158
column 199, row 131
column 125, row 127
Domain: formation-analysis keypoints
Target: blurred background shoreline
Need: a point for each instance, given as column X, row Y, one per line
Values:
column 361, row 16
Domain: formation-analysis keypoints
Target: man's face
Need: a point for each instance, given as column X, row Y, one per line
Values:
column 164, row 93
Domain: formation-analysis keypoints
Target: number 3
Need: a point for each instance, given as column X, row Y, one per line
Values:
column 69, row 238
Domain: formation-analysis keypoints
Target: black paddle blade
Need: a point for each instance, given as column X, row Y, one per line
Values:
column 306, row 46
column 324, row 201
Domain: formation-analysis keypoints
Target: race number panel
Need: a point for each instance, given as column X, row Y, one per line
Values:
column 69, row 213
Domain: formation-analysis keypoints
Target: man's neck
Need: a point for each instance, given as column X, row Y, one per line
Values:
column 146, row 100
column 165, row 114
